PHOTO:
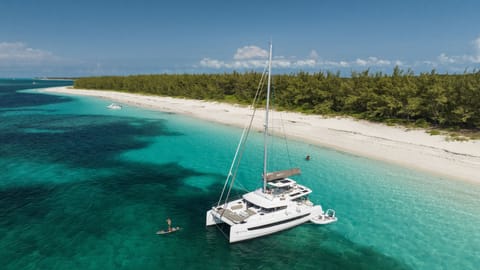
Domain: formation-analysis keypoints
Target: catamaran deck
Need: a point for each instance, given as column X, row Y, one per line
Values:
column 236, row 217
column 280, row 194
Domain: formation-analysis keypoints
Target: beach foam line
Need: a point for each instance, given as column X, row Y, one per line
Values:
column 399, row 145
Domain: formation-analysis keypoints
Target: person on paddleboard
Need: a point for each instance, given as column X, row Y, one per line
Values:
column 169, row 223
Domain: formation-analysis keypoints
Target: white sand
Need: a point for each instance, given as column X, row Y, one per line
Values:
column 408, row 148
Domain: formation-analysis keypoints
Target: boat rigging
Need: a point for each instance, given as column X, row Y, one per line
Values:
column 281, row 203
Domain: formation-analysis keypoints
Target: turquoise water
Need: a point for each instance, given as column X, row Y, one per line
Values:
column 84, row 187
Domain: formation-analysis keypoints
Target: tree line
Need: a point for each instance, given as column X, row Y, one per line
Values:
column 441, row 100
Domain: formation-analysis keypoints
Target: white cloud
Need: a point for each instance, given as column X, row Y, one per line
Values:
column 282, row 63
column 465, row 59
column 361, row 62
column 250, row 52
column 372, row 61
column 252, row 57
column 217, row 64
column 476, row 45
column 305, row 63
column 247, row 64
column 313, row 55
column 212, row 63
column 475, row 59
column 342, row 64
column 247, row 57
column 445, row 59
column 18, row 51
column 459, row 60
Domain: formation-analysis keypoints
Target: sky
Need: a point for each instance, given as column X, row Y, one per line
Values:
column 104, row 37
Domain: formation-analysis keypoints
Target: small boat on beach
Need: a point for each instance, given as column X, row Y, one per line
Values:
column 114, row 106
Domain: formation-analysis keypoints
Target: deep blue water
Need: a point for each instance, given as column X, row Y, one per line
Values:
column 84, row 187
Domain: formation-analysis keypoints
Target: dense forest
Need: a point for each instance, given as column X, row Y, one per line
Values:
column 427, row 99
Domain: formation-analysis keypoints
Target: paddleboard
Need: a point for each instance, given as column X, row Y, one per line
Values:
column 167, row 232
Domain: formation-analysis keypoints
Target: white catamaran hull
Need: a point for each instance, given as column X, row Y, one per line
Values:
column 212, row 219
column 266, row 224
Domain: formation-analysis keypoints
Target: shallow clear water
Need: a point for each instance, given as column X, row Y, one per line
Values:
column 84, row 187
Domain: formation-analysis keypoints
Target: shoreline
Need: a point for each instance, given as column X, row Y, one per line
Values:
column 398, row 145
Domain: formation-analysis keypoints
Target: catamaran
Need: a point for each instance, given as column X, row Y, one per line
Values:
column 281, row 203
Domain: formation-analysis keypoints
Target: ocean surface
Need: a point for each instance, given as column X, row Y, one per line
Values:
column 84, row 187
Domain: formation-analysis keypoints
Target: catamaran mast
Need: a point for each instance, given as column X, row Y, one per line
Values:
column 265, row 133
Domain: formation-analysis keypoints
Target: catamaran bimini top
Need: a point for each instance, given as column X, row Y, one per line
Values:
column 278, row 194
column 272, row 176
column 263, row 200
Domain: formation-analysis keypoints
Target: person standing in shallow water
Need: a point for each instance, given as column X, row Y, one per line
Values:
column 307, row 157
column 169, row 222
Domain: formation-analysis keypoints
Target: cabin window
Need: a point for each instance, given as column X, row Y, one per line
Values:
column 294, row 194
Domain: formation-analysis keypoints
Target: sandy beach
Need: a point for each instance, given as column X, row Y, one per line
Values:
column 409, row 148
